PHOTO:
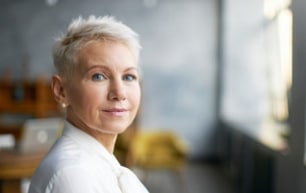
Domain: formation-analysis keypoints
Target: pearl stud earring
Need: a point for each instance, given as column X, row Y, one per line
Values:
column 64, row 105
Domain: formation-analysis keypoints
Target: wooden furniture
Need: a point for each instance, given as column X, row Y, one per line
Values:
column 15, row 166
column 20, row 100
column 33, row 98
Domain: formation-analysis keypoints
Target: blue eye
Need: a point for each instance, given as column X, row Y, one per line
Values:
column 129, row 77
column 98, row 77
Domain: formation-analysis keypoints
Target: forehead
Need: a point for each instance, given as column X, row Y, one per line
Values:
column 105, row 48
column 105, row 52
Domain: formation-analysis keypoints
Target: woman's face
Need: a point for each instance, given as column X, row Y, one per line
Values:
column 104, row 93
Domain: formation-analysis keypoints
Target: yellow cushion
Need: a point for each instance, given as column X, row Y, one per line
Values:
column 158, row 149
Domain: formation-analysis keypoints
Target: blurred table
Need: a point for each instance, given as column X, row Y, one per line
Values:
column 14, row 167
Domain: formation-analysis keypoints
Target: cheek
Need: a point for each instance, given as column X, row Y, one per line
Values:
column 136, row 96
column 92, row 96
column 83, row 96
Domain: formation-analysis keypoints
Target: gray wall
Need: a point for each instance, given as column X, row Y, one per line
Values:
column 245, row 88
column 179, row 55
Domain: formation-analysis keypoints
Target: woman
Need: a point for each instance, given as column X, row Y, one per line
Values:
column 97, row 82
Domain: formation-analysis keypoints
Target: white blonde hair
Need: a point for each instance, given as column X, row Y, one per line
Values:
column 83, row 31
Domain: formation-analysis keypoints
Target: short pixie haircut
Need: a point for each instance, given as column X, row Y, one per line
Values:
column 81, row 32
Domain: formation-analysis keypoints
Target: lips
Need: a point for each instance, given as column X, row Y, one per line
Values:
column 116, row 111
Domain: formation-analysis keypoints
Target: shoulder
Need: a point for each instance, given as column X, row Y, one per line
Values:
column 71, row 179
column 69, row 168
column 64, row 153
column 75, row 179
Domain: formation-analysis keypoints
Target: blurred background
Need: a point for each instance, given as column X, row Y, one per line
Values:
column 223, row 107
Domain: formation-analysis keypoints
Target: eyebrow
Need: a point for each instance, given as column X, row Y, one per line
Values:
column 131, row 68
column 93, row 67
column 97, row 66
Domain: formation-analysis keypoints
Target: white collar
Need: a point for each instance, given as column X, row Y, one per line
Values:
column 90, row 144
column 128, row 181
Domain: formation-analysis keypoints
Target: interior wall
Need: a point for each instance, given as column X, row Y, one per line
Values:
column 178, row 57
column 244, row 99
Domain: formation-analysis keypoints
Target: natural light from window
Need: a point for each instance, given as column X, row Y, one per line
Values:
column 278, row 38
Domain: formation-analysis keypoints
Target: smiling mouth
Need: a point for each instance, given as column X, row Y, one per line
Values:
column 116, row 112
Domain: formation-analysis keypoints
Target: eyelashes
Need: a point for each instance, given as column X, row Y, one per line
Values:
column 129, row 77
column 101, row 77
column 98, row 77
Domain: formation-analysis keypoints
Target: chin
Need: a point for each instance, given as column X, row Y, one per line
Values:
column 115, row 129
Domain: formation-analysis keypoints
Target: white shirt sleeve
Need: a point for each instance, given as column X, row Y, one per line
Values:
column 80, row 180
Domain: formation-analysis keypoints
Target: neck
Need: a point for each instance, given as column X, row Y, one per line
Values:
column 106, row 139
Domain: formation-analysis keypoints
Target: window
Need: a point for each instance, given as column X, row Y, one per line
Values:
column 279, row 56
column 256, row 82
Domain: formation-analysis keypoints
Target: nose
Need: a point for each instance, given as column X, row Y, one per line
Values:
column 117, row 90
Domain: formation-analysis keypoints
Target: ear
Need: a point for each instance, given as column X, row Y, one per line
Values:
column 58, row 89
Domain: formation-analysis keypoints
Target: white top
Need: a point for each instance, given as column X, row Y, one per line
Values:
column 77, row 163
